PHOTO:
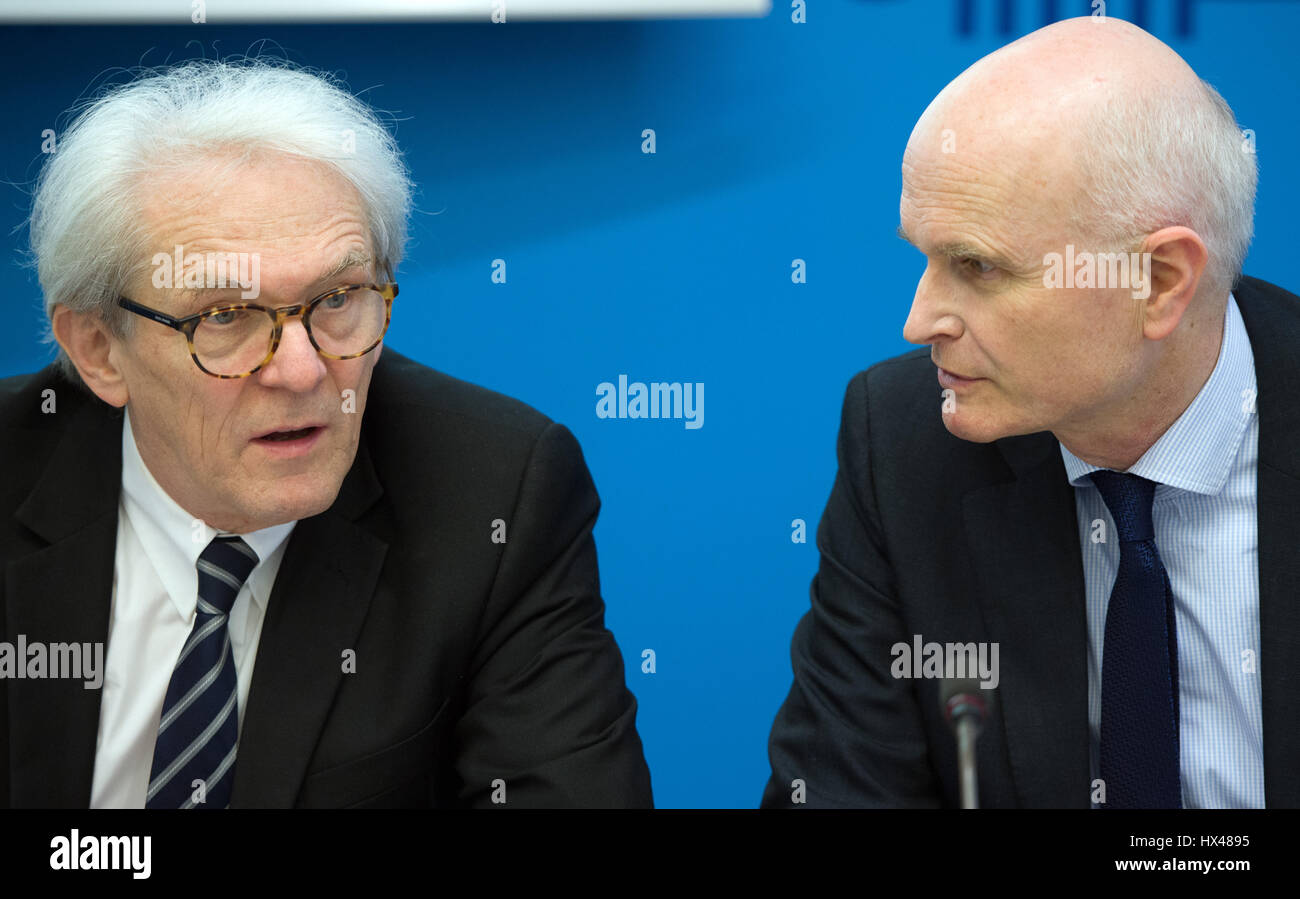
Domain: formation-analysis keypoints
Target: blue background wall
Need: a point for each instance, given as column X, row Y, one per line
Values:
column 776, row 141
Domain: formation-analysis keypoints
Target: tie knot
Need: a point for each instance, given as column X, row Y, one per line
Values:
column 1129, row 498
column 223, row 567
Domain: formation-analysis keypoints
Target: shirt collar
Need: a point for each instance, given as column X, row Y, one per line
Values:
column 173, row 538
column 1197, row 451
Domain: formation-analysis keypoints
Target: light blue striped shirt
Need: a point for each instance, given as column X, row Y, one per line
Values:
column 1204, row 518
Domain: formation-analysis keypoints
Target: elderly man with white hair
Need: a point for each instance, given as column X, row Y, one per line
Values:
column 323, row 578
column 1095, row 509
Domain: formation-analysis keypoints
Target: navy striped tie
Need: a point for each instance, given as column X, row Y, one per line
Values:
column 1139, row 668
column 200, row 719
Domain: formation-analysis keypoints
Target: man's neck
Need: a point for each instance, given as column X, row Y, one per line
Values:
column 1149, row 411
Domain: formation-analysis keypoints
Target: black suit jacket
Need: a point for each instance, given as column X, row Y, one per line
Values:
column 475, row 661
column 928, row 534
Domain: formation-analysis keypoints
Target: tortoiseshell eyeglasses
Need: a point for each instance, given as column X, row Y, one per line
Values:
column 234, row 340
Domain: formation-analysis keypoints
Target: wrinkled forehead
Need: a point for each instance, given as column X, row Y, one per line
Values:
column 258, row 191
column 252, row 184
column 295, row 225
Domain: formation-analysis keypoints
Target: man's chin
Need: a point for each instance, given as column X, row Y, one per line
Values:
column 291, row 505
column 976, row 428
column 963, row 425
column 307, row 507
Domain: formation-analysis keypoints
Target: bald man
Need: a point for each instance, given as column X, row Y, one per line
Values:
column 1084, row 493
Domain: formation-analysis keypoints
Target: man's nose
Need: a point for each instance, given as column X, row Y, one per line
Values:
column 296, row 365
column 933, row 315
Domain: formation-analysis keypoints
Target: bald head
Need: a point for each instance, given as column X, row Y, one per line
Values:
column 1028, row 109
column 1041, row 86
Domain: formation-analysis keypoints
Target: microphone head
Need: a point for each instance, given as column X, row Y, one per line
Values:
column 963, row 696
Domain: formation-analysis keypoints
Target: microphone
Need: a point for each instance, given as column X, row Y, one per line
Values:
column 965, row 707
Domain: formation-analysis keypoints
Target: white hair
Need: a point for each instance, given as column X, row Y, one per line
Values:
column 1164, row 156
column 86, row 237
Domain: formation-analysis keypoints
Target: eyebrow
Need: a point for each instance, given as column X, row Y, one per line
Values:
column 956, row 249
column 194, row 297
column 353, row 259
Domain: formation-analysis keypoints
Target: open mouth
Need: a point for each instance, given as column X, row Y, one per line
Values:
column 285, row 436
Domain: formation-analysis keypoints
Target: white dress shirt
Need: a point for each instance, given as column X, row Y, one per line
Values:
column 155, row 591
column 1204, row 518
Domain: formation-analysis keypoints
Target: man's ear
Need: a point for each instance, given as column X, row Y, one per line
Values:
column 1178, row 258
column 91, row 347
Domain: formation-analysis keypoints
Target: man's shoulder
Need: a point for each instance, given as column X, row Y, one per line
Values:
column 38, row 412
column 421, row 406
column 1270, row 291
column 910, row 371
column 1271, row 313
column 448, row 451
column 401, row 383
column 892, row 421
column 901, row 391
column 40, row 401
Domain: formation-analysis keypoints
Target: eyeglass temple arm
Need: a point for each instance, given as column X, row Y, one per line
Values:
column 160, row 317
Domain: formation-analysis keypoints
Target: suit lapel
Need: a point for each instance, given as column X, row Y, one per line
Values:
column 62, row 594
column 1024, row 546
column 321, row 595
column 1274, row 327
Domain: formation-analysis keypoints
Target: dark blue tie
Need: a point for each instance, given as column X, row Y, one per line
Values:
column 1139, row 668
column 200, row 719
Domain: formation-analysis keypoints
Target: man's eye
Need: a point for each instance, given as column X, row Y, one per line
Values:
column 976, row 266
